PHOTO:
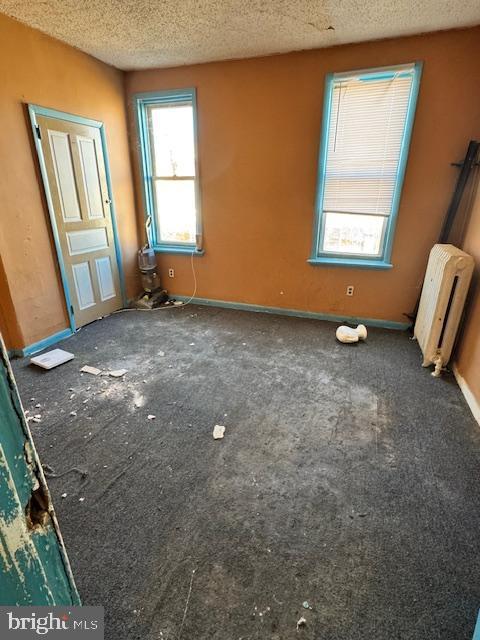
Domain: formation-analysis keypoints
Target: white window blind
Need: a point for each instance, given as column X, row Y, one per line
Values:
column 365, row 135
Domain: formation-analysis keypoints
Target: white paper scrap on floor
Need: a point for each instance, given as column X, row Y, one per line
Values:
column 52, row 358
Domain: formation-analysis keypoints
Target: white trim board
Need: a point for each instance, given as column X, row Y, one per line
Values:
column 468, row 394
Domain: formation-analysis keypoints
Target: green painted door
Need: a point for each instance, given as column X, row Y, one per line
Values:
column 34, row 567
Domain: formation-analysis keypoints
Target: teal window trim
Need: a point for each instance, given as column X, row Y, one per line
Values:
column 141, row 103
column 383, row 261
column 344, row 261
column 34, row 111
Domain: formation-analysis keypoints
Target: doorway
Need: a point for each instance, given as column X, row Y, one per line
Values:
column 74, row 167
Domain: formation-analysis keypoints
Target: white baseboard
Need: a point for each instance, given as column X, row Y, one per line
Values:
column 472, row 402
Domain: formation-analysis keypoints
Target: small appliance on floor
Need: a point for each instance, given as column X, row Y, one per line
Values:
column 153, row 295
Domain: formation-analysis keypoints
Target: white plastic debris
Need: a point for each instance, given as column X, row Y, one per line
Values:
column 118, row 373
column 138, row 401
column 64, row 495
column 52, row 359
column 348, row 334
column 93, row 370
column 151, row 416
column 81, row 499
column 301, row 623
column 161, row 353
column 73, row 413
column 218, row 431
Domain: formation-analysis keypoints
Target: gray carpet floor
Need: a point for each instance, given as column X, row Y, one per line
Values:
column 346, row 489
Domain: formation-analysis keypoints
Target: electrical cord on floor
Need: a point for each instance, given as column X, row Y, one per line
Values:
column 194, row 281
column 49, row 472
column 173, row 306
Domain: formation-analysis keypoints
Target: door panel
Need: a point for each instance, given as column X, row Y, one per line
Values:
column 83, row 285
column 86, row 241
column 105, row 278
column 34, row 568
column 76, row 174
column 91, row 180
column 65, row 179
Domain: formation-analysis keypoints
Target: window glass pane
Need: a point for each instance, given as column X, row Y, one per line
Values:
column 175, row 206
column 353, row 233
column 172, row 140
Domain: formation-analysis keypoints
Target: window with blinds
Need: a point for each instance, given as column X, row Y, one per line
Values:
column 367, row 124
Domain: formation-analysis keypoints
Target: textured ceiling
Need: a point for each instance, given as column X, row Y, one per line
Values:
column 134, row 34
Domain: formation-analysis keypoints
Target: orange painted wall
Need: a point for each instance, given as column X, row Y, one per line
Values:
column 8, row 322
column 259, row 130
column 468, row 353
column 38, row 69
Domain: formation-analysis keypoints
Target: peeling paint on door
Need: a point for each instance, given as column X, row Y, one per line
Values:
column 34, row 567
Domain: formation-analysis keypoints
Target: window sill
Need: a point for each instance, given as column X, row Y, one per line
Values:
column 180, row 249
column 350, row 262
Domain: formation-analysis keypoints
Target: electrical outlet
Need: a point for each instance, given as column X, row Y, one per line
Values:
column 171, row 273
column 350, row 290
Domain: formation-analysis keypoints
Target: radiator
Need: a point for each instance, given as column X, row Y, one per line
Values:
column 445, row 288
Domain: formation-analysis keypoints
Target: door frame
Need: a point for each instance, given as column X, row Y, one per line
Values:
column 45, row 575
column 35, row 110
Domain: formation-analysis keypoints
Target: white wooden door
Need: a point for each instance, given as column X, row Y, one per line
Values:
column 76, row 174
